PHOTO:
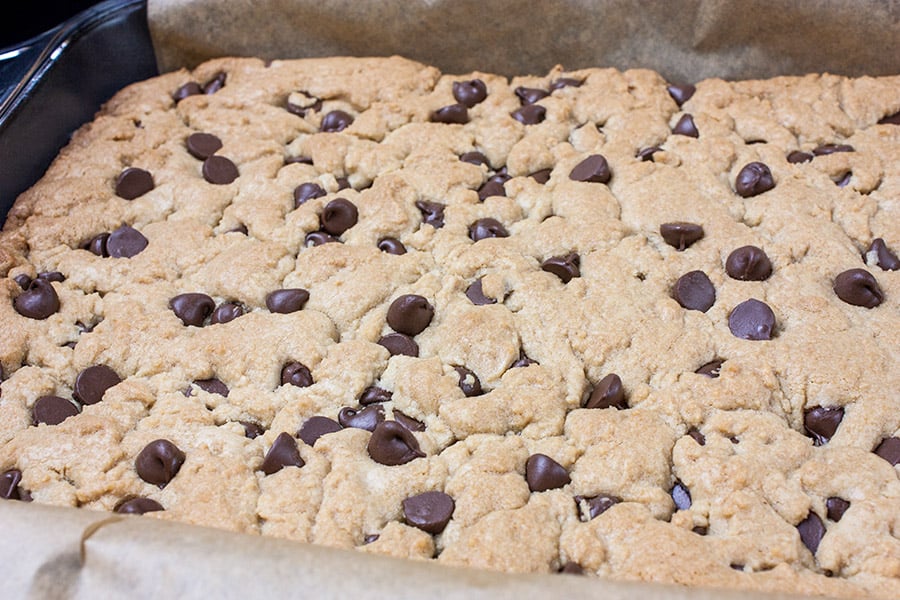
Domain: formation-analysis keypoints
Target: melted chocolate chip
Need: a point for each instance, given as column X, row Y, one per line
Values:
column 92, row 383
column 752, row 320
column 797, row 157
column 748, row 263
column 859, row 288
column 286, row 300
column 475, row 158
column 216, row 83
column 592, row 169
column 318, row 238
column 591, row 507
column 23, row 280
column 202, row 145
column 138, row 506
column 543, row 473
column 452, row 114
column 889, row 450
column 219, row 170
column 811, row 530
column 491, row 188
column 296, row 374
column 393, row 444
column 432, row 213
column 52, row 276
column 252, row 430
column 408, row 422
column 681, row 235
column 430, row 511
column 754, row 179
column 225, row 312
column 836, row 508
column 192, row 308
column 52, row 410
column 685, row 126
column 882, row 256
column 283, row 453
column 680, row 93
column 410, row 314
column 530, row 95
column 531, row 114
column 697, row 436
column 125, row 242
column 315, row 427
column 304, row 104
column 469, row 93
column 821, row 423
column 826, row 149
column 565, row 267
column 712, row 369
column 159, row 462
column 97, row 245
column 468, row 382
column 38, row 302
column 9, row 484
column 487, row 228
column 391, row 245
column 694, row 291
column 212, row 386
column 476, row 295
column 399, row 344
column 608, row 393
column 367, row 418
column 374, row 394
column 307, row 191
column 681, row 496
column 191, row 88
column 338, row 216
column 646, row 154
column 133, row 183
column 522, row 361
column 542, row 176
column 336, row 120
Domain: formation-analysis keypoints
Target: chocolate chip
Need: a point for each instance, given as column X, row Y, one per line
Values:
column 593, row 169
column 811, row 530
column 410, row 314
column 302, row 160
column 372, row 537
column 391, row 245
column 92, row 383
column 296, row 374
column 748, row 263
column 697, row 436
column 336, row 120
column 318, row 238
column 302, row 104
column 500, row 176
column 681, row 93
column 821, row 423
column 252, row 430
column 681, row 496
column 367, row 418
column 826, row 149
column 133, row 182
column 374, row 394
column 889, row 450
column 314, row 428
column 859, row 288
column 530, row 95
column 286, row 300
column 712, row 369
column 216, row 83
column 475, row 158
column 97, row 245
column 219, row 170
column 191, row 88
column 307, row 191
column 476, row 295
column 543, row 473
column 212, row 386
column 159, row 462
column 432, row 213
column 192, row 308
column 39, row 301
column 752, row 320
column 487, row 228
column 468, row 382
column 844, row 179
column 542, row 176
column 202, row 145
column 591, row 507
column 607, row 393
column 565, row 267
column 836, row 508
column 685, row 126
column 408, row 422
column 646, row 154
column 700, row 530
column 430, row 511
column 893, row 119
column 491, row 188
column 454, row 113
column 694, row 291
column 565, row 82
column 879, row 254
column 343, row 183
column 797, row 157
column 393, row 444
column 9, row 484
column 754, row 179
column 52, row 276
column 531, row 114
column 681, row 235
column 138, row 506
column 571, row 568
column 125, row 242
column 283, row 453
column 338, row 216
column 469, row 93
column 225, row 312
column 522, row 361
column 399, row 344
column 23, row 280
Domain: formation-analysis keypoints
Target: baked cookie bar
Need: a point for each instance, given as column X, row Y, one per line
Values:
column 591, row 322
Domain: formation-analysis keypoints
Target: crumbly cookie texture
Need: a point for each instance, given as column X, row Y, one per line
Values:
column 584, row 322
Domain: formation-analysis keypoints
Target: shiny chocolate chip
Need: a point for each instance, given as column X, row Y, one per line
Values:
column 694, row 291
column 300, row 103
column 591, row 507
column 565, row 82
column 468, row 382
column 542, row 176
column 491, row 188
column 212, row 386
column 432, row 213
column 469, row 93
column 889, row 450
column 681, row 235
column 219, row 170
column 374, row 394
column 475, row 293
column 607, row 393
column 252, row 430
column 844, row 180
column 592, row 169
column 754, row 179
column 391, row 245
column 859, row 288
column 283, row 453
column 697, row 436
column 92, row 383
column 542, row 473
column 487, row 228
column 685, row 126
column 752, row 320
column 372, row 537
column 430, row 511
column 408, row 422
column 452, row 114
column 530, row 95
column 681, row 496
column 565, row 267
column 399, row 344
column 336, row 120
column 836, row 508
column 9, row 484
column 38, row 302
column 826, row 149
column 475, row 158
column 315, row 427
column 52, row 410
column 225, row 312
column 296, row 374
column 215, row 83
column 159, row 462
column 522, row 361
column 138, row 506
column 133, row 183
column 531, row 114
column 646, row 154
column 286, row 300
column 748, row 263
column 192, row 308
column 318, row 238
column 893, row 119
column 821, row 423
column 393, row 444
column 410, row 314
column 796, row 157
column 680, row 93
column 712, row 369
column 191, row 88
column 52, row 276
column 125, row 242
column 338, row 216
column 367, row 418
column 307, row 191
column 97, row 245
column 23, row 280
column 811, row 530
column 202, row 145
column 879, row 254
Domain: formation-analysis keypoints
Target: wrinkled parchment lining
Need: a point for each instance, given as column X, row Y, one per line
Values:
column 685, row 40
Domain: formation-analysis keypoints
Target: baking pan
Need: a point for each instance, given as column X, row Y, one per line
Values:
column 55, row 82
